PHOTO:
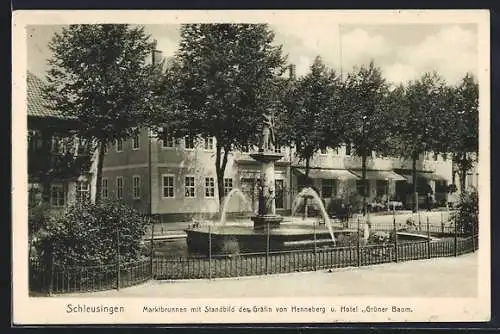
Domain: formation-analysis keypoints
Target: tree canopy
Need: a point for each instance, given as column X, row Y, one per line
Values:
column 223, row 80
column 100, row 76
column 313, row 118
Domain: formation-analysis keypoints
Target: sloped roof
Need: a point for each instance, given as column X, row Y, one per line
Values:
column 37, row 104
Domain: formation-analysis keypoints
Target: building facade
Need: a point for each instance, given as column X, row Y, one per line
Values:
column 56, row 156
column 176, row 180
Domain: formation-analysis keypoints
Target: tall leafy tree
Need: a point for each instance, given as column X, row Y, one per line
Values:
column 100, row 75
column 462, row 125
column 368, row 127
column 222, row 82
column 312, row 119
column 420, row 115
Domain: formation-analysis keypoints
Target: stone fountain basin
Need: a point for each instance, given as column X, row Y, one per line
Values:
column 249, row 239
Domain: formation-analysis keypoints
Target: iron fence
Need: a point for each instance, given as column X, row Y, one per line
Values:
column 58, row 279
column 69, row 279
column 250, row 264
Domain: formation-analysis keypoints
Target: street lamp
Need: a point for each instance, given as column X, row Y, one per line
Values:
column 363, row 152
column 387, row 193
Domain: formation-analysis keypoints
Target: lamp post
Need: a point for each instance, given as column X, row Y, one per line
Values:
column 363, row 162
column 387, row 193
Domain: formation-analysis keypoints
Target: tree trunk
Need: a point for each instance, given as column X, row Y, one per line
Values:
column 46, row 165
column 363, row 180
column 100, row 162
column 462, row 165
column 220, row 167
column 414, row 159
column 308, row 184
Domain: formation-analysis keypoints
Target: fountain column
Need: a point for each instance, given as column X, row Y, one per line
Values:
column 266, row 156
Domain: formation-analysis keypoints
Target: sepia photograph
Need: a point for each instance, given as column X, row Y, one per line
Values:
column 306, row 166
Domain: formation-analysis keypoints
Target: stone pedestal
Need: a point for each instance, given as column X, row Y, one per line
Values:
column 267, row 216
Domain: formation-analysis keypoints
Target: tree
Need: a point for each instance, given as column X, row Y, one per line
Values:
column 368, row 127
column 222, row 82
column 99, row 75
column 312, row 119
column 420, row 116
column 462, row 126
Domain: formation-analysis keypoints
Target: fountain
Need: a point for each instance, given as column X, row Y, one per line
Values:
column 269, row 230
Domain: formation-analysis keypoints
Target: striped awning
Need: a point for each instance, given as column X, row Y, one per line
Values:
column 380, row 175
column 338, row 174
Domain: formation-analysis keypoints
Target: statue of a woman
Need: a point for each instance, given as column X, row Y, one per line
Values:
column 268, row 140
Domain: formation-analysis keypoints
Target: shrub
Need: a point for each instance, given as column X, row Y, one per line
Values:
column 467, row 212
column 87, row 235
column 230, row 246
column 379, row 238
column 347, row 240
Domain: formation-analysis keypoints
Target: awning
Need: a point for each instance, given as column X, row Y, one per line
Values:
column 430, row 176
column 380, row 175
column 340, row 174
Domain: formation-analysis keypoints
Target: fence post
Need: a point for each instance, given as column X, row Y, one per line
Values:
column 267, row 249
column 456, row 239
column 152, row 246
column 442, row 224
column 428, row 239
column 51, row 278
column 209, row 252
column 419, row 222
column 396, row 251
column 315, row 261
column 358, row 250
column 118, row 259
column 473, row 238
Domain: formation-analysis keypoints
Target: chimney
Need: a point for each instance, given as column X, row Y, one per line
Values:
column 291, row 70
column 157, row 57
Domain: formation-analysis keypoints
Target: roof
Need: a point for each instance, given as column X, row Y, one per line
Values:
column 37, row 104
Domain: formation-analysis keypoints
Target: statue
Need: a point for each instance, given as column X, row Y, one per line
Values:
column 267, row 140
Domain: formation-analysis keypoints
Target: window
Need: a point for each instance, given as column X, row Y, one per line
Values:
column 34, row 140
column 328, row 188
column 104, row 188
column 136, row 187
column 336, row 150
column 382, row 188
column 58, row 146
column 83, row 146
column 359, row 187
column 167, row 141
column 189, row 142
column 209, row 143
column 82, row 192
column 136, row 142
column 119, row 187
column 209, row 187
column 470, row 180
column 168, row 186
column 435, row 156
column 445, row 156
column 228, row 185
column 277, row 149
column 119, row 145
column 57, row 195
column 322, row 151
column 189, row 187
column 348, row 149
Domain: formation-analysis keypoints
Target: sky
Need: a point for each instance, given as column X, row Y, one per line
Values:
column 403, row 51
